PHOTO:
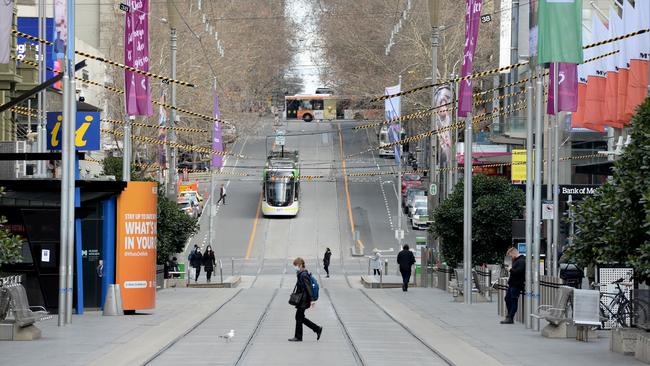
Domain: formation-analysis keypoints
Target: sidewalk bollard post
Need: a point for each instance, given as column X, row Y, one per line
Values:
column 381, row 279
column 221, row 270
column 415, row 273
column 232, row 266
column 368, row 266
column 386, row 266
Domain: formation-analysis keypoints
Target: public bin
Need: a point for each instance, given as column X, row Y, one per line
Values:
column 571, row 274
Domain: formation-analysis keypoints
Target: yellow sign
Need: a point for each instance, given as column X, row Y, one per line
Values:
column 518, row 165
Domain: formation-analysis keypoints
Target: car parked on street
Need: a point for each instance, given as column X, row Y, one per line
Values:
column 186, row 205
column 411, row 194
column 411, row 180
column 420, row 218
column 418, row 202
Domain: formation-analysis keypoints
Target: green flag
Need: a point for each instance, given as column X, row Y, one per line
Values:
column 560, row 31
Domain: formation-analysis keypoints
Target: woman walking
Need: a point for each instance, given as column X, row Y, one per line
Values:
column 326, row 261
column 196, row 259
column 208, row 262
column 302, row 294
column 376, row 263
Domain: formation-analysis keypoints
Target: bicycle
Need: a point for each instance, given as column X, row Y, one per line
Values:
column 620, row 309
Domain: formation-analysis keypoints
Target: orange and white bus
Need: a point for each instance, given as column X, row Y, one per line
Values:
column 309, row 107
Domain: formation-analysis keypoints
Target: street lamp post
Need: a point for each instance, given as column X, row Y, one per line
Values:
column 171, row 151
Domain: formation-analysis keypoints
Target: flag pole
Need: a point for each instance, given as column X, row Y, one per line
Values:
column 537, row 200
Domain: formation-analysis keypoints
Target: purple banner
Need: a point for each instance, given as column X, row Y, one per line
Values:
column 217, row 145
column 472, row 17
column 136, row 54
column 162, row 132
column 567, row 89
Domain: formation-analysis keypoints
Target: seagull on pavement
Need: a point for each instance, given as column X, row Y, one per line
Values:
column 228, row 336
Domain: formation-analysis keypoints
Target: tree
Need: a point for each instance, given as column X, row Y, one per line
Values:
column 613, row 226
column 495, row 204
column 10, row 245
column 174, row 228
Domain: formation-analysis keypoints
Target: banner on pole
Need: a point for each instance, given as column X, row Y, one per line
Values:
column 162, row 131
column 60, row 38
column 518, row 172
column 136, row 54
column 472, row 18
column 392, row 110
column 441, row 100
column 559, row 31
column 217, row 142
column 567, row 89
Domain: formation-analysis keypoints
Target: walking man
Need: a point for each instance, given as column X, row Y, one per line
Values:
column 222, row 194
column 326, row 261
column 305, row 300
column 196, row 260
column 406, row 260
column 515, row 284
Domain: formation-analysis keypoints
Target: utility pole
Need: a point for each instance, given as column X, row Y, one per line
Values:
column 126, row 150
column 399, row 150
column 66, row 257
column 467, row 211
column 537, row 201
column 172, row 186
column 41, row 144
column 212, row 212
column 529, row 198
column 556, row 176
column 434, row 16
column 550, row 131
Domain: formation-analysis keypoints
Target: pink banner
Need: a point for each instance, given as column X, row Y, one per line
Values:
column 136, row 54
column 472, row 17
column 567, row 89
column 217, row 143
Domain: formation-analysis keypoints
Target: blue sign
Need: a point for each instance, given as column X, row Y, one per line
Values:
column 29, row 25
column 87, row 135
column 521, row 248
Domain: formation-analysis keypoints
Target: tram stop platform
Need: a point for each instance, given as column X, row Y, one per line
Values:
column 190, row 326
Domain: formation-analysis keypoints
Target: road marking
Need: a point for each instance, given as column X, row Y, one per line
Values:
column 345, row 180
column 251, row 240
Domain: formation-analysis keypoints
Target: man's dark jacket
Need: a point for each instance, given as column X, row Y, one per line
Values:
column 405, row 259
column 518, row 273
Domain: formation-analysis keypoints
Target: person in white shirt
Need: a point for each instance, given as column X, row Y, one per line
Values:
column 222, row 194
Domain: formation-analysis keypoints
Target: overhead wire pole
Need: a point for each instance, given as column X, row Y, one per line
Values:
column 211, row 197
column 398, row 151
column 42, row 75
column 434, row 16
column 537, row 200
column 550, row 131
column 467, row 212
column 67, row 157
column 126, row 149
column 556, row 178
column 171, row 151
column 529, row 198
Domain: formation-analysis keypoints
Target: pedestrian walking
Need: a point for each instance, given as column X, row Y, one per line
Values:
column 516, row 282
column 326, row 261
column 375, row 260
column 303, row 298
column 196, row 259
column 209, row 262
column 406, row 260
column 222, row 194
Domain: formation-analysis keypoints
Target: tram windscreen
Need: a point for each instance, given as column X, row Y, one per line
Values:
column 280, row 190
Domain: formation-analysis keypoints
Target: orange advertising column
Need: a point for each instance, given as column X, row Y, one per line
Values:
column 136, row 237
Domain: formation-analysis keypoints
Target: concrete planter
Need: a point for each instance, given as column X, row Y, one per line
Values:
column 623, row 340
column 642, row 352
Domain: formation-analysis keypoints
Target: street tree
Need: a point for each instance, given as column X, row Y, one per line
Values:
column 613, row 226
column 174, row 228
column 10, row 244
column 495, row 203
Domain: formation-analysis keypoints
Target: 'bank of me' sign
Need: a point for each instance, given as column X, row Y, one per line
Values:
column 86, row 135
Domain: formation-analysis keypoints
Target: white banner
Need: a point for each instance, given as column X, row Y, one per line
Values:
column 6, row 18
column 505, row 34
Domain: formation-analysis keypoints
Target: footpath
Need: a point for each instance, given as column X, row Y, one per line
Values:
column 362, row 327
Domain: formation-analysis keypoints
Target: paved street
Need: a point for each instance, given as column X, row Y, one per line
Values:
column 362, row 326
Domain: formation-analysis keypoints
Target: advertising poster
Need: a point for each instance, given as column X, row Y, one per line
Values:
column 29, row 25
column 442, row 100
column 136, row 245
column 60, row 37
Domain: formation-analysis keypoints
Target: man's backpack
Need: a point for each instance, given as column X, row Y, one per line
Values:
column 314, row 287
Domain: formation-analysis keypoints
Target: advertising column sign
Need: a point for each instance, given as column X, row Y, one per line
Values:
column 136, row 245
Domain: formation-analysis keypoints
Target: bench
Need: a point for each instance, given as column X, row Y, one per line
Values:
column 24, row 314
column 457, row 288
column 556, row 315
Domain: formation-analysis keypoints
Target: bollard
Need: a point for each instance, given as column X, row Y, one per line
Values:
column 381, row 279
column 113, row 301
column 221, row 270
column 368, row 266
column 232, row 266
column 385, row 265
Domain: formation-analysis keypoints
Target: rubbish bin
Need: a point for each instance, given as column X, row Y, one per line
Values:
column 571, row 274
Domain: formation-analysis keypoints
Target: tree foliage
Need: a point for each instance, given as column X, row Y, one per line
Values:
column 495, row 203
column 613, row 226
column 174, row 228
column 10, row 245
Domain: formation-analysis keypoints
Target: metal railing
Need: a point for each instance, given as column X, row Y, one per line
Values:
column 549, row 291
